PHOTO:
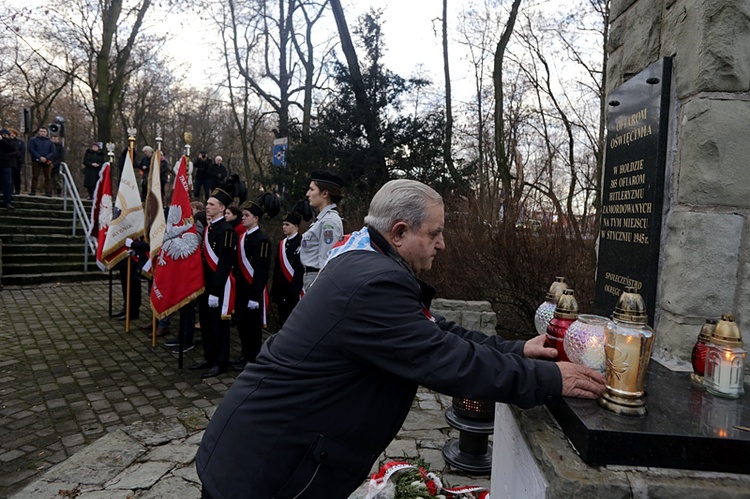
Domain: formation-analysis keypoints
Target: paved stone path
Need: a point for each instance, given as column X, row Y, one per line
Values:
column 90, row 412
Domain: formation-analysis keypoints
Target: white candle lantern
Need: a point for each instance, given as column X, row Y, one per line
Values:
column 725, row 360
column 546, row 310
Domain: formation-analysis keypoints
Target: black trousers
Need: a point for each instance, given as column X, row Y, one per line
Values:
column 215, row 332
column 250, row 327
column 135, row 286
column 285, row 310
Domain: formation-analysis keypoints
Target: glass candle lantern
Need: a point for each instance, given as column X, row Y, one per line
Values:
column 725, row 360
column 698, row 357
column 566, row 313
column 584, row 341
column 546, row 310
column 628, row 343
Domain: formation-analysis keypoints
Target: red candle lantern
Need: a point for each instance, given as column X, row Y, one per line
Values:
column 566, row 313
column 699, row 350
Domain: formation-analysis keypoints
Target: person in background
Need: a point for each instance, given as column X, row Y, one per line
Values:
column 288, row 270
column 20, row 153
column 217, row 174
column 202, row 181
column 7, row 162
column 42, row 152
column 93, row 159
column 327, row 229
column 56, row 174
column 234, row 216
column 251, row 275
column 330, row 391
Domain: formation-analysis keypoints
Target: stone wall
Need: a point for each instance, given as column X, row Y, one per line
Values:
column 476, row 315
column 704, row 269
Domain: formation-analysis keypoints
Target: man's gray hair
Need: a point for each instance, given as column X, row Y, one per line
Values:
column 401, row 201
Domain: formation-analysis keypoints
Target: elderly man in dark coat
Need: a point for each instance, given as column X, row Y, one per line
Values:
column 333, row 387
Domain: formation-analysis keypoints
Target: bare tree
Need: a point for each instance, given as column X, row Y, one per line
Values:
column 501, row 153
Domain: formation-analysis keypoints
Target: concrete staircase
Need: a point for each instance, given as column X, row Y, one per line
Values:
column 38, row 245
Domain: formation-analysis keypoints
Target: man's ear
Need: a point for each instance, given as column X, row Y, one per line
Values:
column 397, row 233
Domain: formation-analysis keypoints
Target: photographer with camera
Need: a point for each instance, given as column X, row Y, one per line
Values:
column 202, row 180
column 42, row 152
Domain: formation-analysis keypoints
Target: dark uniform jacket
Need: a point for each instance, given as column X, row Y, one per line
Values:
column 333, row 387
column 258, row 253
column 223, row 241
column 284, row 291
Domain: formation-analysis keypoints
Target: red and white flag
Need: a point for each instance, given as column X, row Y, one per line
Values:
column 177, row 268
column 127, row 217
column 101, row 212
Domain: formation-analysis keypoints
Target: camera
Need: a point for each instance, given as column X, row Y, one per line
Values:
column 57, row 127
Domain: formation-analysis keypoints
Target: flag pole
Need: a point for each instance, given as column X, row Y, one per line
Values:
column 111, row 154
column 150, row 217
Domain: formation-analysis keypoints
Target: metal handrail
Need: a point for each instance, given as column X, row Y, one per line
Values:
column 79, row 212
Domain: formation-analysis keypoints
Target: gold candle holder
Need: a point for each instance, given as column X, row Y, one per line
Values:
column 628, row 343
column 725, row 360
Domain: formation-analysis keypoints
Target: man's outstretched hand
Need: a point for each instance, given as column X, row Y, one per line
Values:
column 535, row 349
column 580, row 381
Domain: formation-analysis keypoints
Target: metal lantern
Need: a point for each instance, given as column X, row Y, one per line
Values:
column 725, row 360
column 584, row 341
column 474, row 419
column 698, row 358
column 546, row 310
column 628, row 343
column 566, row 312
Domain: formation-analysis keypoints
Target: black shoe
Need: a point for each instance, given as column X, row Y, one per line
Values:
column 214, row 371
column 123, row 317
column 118, row 313
column 172, row 343
column 238, row 368
column 204, row 364
column 32, row 193
column 185, row 348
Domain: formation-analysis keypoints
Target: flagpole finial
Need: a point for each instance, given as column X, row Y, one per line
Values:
column 131, row 134
column 158, row 137
column 188, row 138
column 111, row 150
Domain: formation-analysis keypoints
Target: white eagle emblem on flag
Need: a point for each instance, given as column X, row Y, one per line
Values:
column 178, row 242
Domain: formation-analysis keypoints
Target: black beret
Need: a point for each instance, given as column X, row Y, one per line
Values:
column 326, row 176
column 223, row 196
column 292, row 218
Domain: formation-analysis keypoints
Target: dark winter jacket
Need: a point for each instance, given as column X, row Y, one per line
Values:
column 41, row 147
column 330, row 390
column 91, row 172
column 201, row 168
column 7, row 153
column 20, row 151
column 283, row 290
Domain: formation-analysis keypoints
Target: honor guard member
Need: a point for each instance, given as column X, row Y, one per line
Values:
column 216, row 304
column 288, row 271
column 251, row 272
column 326, row 230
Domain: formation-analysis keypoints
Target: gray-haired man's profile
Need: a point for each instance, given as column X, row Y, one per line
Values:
column 332, row 388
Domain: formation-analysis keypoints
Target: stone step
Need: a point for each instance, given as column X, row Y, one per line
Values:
column 36, row 248
column 94, row 274
column 13, row 223
column 41, row 238
column 47, row 267
column 26, row 214
column 27, row 201
column 58, row 229
column 75, row 256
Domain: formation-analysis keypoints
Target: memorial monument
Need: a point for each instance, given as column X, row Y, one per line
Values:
column 675, row 219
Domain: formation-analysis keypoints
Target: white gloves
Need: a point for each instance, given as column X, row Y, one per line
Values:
column 253, row 305
column 128, row 242
column 213, row 301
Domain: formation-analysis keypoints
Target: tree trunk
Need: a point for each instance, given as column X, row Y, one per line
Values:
column 448, row 139
column 360, row 95
column 502, row 156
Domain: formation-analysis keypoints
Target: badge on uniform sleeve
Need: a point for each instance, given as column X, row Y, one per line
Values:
column 328, row 234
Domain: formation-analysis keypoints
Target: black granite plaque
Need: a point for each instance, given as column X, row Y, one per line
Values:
column 633, row 188
column 685, row 427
